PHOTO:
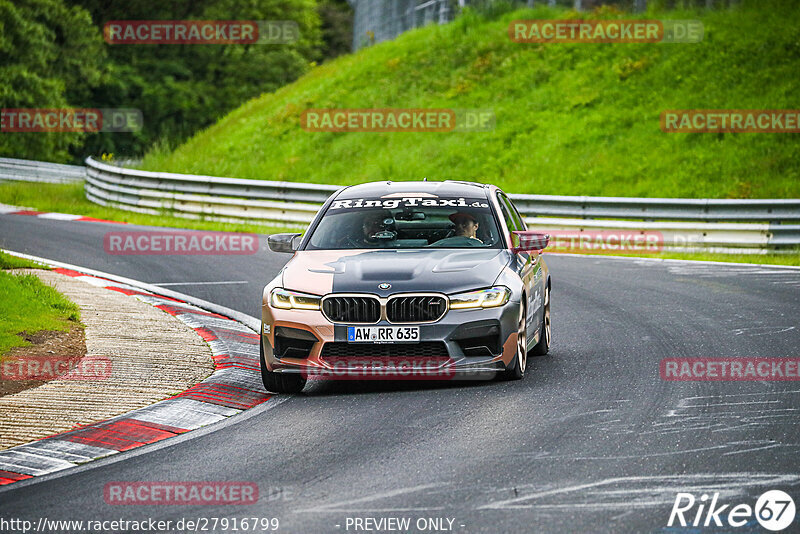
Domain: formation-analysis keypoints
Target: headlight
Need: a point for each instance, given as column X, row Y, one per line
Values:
column 292, row 300
column 483, row 298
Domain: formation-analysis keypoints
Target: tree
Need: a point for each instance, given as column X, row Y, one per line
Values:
column 50, row 57
column 181, row 89
column 337, row 27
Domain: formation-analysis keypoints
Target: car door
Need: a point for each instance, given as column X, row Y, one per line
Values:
column 539, row 275
column 527, row 264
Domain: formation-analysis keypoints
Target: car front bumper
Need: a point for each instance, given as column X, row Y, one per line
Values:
column 462, row 344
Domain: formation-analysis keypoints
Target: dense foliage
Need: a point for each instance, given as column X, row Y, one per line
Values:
column 50, row 57
column 53, row 56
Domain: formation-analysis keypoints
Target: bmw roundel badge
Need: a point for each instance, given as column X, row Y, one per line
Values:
column 384, row 286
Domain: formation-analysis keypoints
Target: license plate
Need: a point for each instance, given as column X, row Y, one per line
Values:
column 382, row 334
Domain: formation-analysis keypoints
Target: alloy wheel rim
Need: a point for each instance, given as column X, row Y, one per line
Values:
column 522, row 347
column 547, row 317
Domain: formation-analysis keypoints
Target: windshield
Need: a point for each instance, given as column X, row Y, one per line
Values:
column 399, row 221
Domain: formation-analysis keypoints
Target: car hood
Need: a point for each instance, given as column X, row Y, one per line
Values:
column 361, row 271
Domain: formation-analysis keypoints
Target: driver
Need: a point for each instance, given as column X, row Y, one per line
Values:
column 364, row 235
column 466, row 225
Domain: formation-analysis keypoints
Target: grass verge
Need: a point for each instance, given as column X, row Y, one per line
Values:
column 7, row 261
column 29, row 305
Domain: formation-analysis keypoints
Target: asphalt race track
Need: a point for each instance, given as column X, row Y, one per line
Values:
column 593, row 440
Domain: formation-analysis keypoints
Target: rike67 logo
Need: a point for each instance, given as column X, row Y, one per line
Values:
column 774, row 511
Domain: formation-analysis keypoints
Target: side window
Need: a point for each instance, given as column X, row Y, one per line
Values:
column 510, row 223
column 519, row 224
column 515, row 211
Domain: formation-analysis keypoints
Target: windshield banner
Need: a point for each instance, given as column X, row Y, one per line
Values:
column 409, row 202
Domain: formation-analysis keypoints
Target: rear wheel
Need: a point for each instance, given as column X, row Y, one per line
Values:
column 543, row 346
column 517, row 369
column 279, row 382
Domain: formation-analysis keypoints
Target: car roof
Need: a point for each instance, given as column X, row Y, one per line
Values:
column 446, row 188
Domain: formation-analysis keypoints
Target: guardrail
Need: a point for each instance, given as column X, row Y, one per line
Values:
column 38, row 171
column 682, row 209
column 209, row 197
column 746, row 226
column 732, row 238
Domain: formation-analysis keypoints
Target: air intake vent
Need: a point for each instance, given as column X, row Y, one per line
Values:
column 415, row 309
column 352, row 309
column 425, row 349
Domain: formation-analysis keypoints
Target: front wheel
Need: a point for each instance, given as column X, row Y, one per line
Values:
column 517, row 370
column 543, row 346
column 279, row 382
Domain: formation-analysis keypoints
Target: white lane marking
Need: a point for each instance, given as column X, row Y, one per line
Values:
column 744, row 394
column 59, row 216
column 29, row 463
column 753, row 449
column 167, row 284
column 8, row 208
column 729, row 404
column 94, row 281
column 682, row 429
column 70, row 451
column 635, row 487
column 673, row 413
column 337, row 506
column 738, row 412
column 762, row 330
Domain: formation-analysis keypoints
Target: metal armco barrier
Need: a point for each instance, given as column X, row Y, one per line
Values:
column 208, row 197
column 716, row 225
column 682, row 209
column 732, row 238
column 38, row 171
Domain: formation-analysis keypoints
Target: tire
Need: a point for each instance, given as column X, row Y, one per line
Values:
column 517, row 369
column 543, row 346
column 279, row 382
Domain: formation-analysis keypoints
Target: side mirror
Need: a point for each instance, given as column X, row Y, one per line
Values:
column 283, row 242
column 527, row 240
